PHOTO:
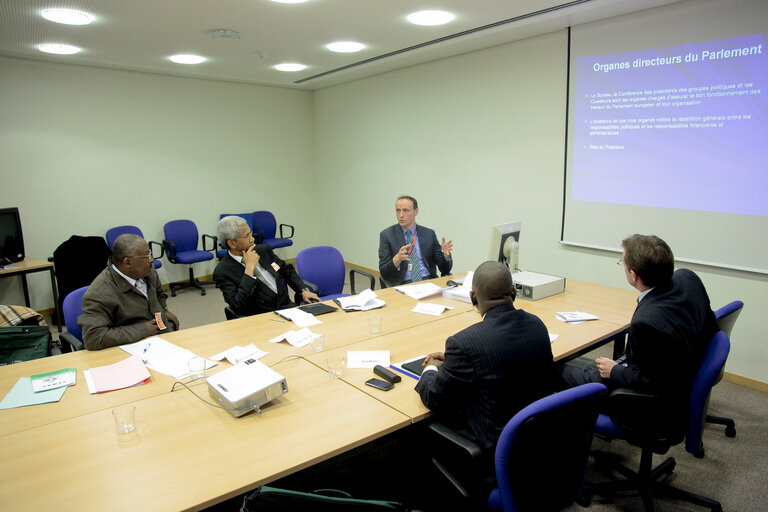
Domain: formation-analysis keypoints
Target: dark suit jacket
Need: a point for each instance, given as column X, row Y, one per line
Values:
column 491, row 370
column 248, row 296
column 390, row 242
column 666, row 335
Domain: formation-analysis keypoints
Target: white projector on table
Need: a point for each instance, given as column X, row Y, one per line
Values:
column 246, row 387
column 533, row 286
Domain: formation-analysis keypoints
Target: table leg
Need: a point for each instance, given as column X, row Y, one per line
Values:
column 55, row 299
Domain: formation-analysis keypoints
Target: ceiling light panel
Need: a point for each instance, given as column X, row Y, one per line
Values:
column 345, row 46
column 68, row 16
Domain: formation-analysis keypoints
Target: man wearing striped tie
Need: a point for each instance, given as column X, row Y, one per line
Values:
column 409, row 252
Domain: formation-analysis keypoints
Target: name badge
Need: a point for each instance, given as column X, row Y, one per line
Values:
column 275, row 266
column 410, row 267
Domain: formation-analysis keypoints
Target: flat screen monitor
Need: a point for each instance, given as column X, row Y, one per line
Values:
column 11, row 238
column 505, row 244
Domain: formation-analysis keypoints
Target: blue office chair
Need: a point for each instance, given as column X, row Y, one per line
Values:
column 541, row 456
column 72, row 309
column 115, row 232
column 726, row 318
column 322, row 268
column 641, row 420
column 181, row 248
column 265, row 225
column 222, row 247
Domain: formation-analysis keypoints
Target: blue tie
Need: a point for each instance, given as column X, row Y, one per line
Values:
column 415, row 258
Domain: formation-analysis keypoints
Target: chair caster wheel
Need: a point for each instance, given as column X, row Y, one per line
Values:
column 584, row 501
column 730, row 431
column 202, row 292
column 173, row 293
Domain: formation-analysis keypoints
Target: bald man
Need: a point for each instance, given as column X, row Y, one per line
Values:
column 492, row 369
column 122, row 303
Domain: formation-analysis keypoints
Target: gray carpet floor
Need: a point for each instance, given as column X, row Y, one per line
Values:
column 733, row 471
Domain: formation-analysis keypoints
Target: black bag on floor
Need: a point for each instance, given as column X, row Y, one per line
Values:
column 23, row 343
column 270, row 499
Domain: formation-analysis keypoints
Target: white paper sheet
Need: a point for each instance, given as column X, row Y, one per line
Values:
column 367, row 358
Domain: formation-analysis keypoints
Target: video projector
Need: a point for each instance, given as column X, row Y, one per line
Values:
column 246, row 387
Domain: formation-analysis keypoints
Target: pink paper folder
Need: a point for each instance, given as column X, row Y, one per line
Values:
column 124, row 374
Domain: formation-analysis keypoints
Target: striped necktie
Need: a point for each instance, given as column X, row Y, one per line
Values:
column 415, row 257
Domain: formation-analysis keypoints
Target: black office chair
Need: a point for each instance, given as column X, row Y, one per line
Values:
column 77, row 262
column 540, row 459
column 645, row 421
column 181, row 248
column 726, row 318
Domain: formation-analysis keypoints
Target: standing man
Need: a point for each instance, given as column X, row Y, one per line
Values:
column 491, row 369
column 126, row 302
column 251, row 277
column 410, row 253
column 672, row 322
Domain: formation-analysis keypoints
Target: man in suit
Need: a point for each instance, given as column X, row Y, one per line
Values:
column 251, row 277
column 410, row 253
column 492, row 369
column 672, row 322
column 123, row 303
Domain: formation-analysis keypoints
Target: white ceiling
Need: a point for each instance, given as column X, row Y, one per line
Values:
column 139, row 35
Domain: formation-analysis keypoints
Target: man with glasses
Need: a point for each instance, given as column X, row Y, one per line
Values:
column 672, row 322
column 251, row 277
column 126, row 302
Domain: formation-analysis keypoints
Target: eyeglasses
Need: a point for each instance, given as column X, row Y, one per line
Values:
column 621, row 263
column 148, row 255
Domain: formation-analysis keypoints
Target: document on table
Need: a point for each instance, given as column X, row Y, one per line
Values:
column 427, row 308
column 299, row 317
column 298, row 338
column 53, row 380
column 163, row 356
column 363, row 301
column 237, row 353
column 367, row 358
column 575, row 316
column 419, row 291
column 123, row 374
column 22, row 395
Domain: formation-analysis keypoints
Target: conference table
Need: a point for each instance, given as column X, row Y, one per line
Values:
column 187, row 455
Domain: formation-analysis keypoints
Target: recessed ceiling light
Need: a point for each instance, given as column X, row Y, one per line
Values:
column 290, row 66
column 187, row 59
column 68, row 16
column 289, row 1
column 345, row 46
column 430, row 18
column 58, row 49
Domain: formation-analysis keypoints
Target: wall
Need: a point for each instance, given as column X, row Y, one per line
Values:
column 85, row 149
column 478, row 139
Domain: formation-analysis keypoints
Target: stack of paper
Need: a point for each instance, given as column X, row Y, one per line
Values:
column 461, row 292
column 419, row 291
column 298, row 339
column 363, row 301
column 125, row 374
column 164, row 357
column 575, row 316
column 298, row 317
column 237, row 353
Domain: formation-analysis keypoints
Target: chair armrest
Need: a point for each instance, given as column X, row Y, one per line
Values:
column 352, row 273
column 312, row 286
column 281, row 231
column 170, row 250
column 72, row 341
column 213, row 240
column 452, row 438
column 382, row 283
column 643, row 416
column 258, row 235
column 153, row 252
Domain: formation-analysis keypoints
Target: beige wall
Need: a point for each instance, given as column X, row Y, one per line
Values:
column 84, row 149
column 478, row 139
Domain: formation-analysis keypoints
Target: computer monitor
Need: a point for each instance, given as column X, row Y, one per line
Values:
column 11, row 238
column 505, row 244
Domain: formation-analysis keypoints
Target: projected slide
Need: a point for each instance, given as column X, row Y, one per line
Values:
column 683, row 127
